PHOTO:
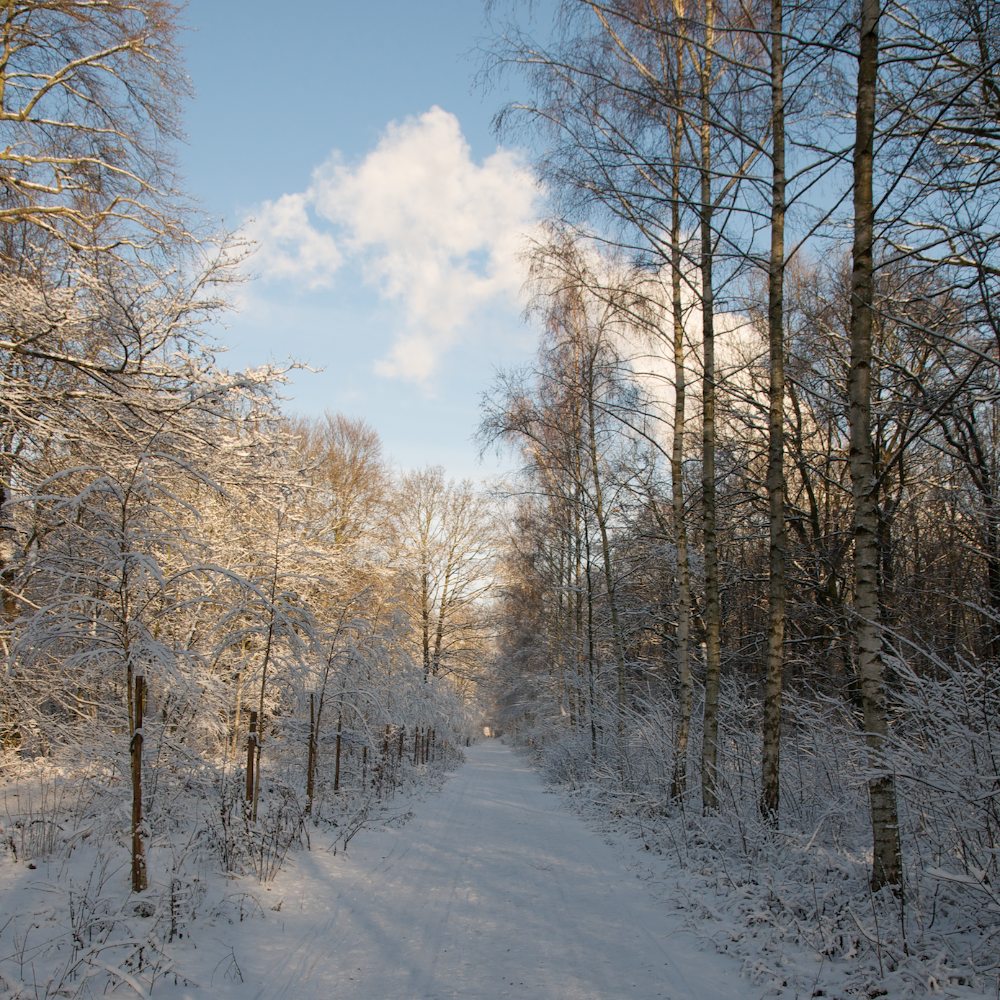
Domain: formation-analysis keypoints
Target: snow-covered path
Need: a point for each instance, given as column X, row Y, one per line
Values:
column 491, row 890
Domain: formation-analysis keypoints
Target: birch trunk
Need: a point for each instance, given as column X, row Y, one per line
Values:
column 602, row 527
column 678, row 782
column 886, row 862
column 713, row 615
column 770, row 784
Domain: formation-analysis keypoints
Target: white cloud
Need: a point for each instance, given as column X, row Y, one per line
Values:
column 414, row 356
column 290, row 246
column 433, row 231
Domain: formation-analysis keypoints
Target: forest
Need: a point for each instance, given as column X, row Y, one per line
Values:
column 219, row 623
column 754, row 571
column 740, row 601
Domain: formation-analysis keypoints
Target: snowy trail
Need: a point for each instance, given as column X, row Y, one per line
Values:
column 492, row 890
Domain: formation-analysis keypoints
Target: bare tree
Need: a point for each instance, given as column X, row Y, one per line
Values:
column 443, row 530
column 887, row 864
column 770, row 785
column 89, row 104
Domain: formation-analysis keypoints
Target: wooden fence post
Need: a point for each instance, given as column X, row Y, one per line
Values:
column 383, row 765
column 311, row 755
column 336, row 766
column 251, row 756
column 138, row 855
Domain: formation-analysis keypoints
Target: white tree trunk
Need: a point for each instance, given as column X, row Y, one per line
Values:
column 886, row 862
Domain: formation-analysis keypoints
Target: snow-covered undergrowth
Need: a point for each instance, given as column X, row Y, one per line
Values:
column 70, row 925
column 794, row 903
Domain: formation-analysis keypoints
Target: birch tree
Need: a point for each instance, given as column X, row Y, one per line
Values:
column 770, row 785
column 887, row 864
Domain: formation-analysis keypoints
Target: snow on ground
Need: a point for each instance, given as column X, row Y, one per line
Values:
column 491, row 890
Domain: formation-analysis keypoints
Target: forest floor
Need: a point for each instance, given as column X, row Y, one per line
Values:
column 492, row 889
column 490, row 886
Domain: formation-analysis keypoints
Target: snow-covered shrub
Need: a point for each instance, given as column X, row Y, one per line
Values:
column 793, row 902
column 945, row 751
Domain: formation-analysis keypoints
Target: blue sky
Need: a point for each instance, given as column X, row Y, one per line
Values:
column 353, row 143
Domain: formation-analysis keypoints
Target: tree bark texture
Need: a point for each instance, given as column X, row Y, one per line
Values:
column 678, row 782
column 886, row 861
column 770, row 784
column 713, row 610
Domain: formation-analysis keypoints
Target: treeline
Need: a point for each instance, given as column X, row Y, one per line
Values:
column 759, row 501
column 161, row 520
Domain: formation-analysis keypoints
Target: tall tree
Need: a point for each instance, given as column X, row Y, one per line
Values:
column 770, row 784
column 677, row 493
column 713, row 607
column 887, row 862
column 444, row 530
column 88, row 105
